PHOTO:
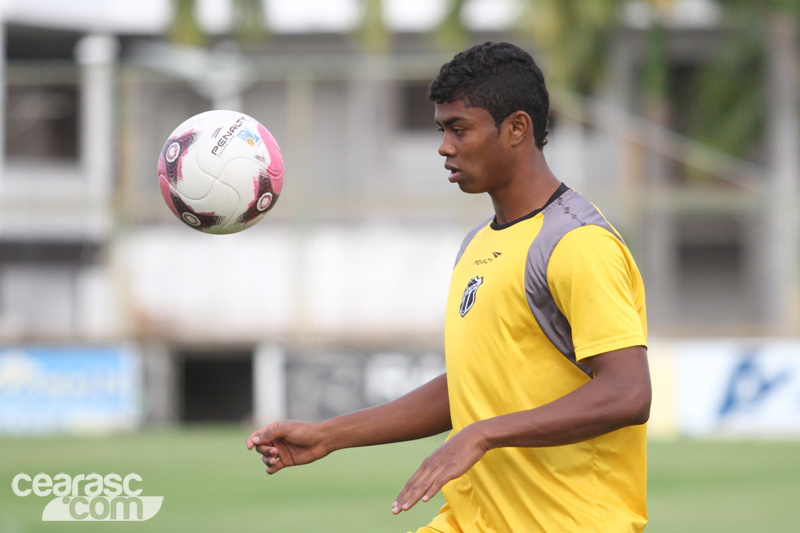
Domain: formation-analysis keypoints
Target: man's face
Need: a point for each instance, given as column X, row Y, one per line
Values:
column 472, row 146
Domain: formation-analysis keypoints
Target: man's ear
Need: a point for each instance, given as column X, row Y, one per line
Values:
column 519, row 125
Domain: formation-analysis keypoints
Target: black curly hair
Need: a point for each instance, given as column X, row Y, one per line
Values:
column 499, row 77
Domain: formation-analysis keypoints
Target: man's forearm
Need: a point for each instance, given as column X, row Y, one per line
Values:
column 567, row 420
column 615, row 398
column 423, row 412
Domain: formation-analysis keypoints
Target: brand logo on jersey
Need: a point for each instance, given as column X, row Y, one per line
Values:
column 468, row 299
column 488, row 260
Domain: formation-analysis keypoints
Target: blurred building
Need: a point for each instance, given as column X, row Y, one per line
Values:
column 344, row 283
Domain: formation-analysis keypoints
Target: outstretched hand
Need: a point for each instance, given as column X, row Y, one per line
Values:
column 449, row 461
column 288, row 443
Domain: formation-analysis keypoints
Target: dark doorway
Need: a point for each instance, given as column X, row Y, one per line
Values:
column 217, row 386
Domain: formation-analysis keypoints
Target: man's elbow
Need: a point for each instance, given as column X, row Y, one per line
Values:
column 638, row 407
column 632, row 405
column 641, row 416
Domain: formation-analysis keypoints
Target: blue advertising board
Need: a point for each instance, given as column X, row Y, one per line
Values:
column 738, row 387
column 68, row 388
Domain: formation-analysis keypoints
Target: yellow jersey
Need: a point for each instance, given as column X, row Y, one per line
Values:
column 528, row 302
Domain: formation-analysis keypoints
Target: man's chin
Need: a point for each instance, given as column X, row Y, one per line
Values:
column 469, row 188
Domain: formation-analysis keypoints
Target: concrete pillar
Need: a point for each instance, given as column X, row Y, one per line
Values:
column 269, row 384
column 781, row 262
column 621, row 193
column 660, row 245
column 96, row 55
column 226, row 76
column 160, row 386
column 368, row 115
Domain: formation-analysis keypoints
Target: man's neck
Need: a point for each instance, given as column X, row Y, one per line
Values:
column 524, row 195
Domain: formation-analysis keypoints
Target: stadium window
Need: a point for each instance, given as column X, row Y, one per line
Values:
column 42, row 122
column 415, row 110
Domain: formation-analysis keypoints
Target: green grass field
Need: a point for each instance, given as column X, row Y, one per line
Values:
column 210, row 482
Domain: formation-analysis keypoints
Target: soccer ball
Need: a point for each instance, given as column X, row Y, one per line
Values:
column 220, row 171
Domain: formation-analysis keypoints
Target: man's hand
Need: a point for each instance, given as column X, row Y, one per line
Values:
column 450, row 460
column 288, row 443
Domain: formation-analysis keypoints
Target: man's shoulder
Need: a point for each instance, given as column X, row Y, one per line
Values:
column 570, row 211
column 569, row 215
column 471, row 235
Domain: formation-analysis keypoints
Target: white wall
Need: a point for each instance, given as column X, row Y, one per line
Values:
column 335, row 280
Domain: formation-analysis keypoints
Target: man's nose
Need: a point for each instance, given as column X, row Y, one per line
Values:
column 446, row 148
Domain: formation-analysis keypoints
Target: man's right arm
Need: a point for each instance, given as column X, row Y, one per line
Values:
column 423, row 412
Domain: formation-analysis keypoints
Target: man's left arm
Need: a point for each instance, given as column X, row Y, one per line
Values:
column 618, row 396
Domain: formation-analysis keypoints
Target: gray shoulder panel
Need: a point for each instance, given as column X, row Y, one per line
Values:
column 567, row 212
column 469, row 238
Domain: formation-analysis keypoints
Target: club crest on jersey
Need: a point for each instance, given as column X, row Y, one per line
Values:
column 468, row 299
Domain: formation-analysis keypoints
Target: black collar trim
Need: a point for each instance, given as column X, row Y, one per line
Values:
column 561, row 190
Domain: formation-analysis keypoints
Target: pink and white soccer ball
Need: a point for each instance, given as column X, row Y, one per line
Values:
column 220, row 171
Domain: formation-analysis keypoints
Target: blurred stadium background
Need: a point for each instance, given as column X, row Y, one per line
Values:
column 158, row 348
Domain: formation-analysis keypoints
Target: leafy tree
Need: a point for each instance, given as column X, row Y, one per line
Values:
column 574, row 36
column 248, row 17
column 184, row 28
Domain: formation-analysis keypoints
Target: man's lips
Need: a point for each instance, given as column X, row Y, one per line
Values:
column 455, row 172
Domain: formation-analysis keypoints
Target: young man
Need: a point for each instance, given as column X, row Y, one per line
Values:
column 547, row 386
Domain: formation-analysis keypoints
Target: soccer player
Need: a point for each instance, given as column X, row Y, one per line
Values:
column 547, row 388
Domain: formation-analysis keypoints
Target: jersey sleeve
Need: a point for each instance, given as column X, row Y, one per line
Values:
column 596, row 285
